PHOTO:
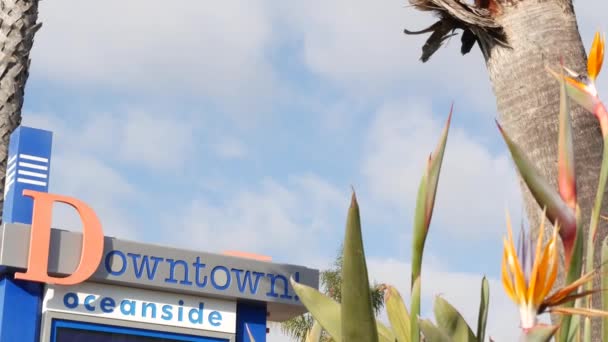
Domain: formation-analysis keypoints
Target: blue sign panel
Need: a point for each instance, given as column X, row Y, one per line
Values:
column 28, row 167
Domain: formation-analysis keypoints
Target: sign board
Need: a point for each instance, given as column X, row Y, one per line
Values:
column 129, row 304
column 168, row 269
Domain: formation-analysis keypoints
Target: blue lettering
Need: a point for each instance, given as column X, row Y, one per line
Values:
column 87, row 302
column 180, row 311
column 131, row 310
column 150, row 270
column 172, row 264
column 145, row 306
column 273, row 282
column 70, row 300
column 167, row 313
column 296, row 278
column 197, row 275
column 198, row 312
column 253, row 286
column 215, row 318
column 107, row 305
column 214, row 280
column 109, row 259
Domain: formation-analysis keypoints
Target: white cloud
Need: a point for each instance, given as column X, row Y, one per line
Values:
column 142, row 138
column 154, row 140
column 360, row 46
column 271, row 218
column 230, row 148
column 474, row 183
column 230, row 50
column 182, row 47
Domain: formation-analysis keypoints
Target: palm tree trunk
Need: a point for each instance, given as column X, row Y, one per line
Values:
column 540, row 33
column 17, row 28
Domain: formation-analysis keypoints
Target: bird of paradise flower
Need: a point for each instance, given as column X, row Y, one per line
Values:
column 528, row 275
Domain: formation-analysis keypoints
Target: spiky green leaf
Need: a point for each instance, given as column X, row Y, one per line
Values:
column 314, row 335
column 545, row 195
column 425, row 203
column 359, row 322
column 327, row 312
column 482, row 318
column 397, row 314
column 415, row 304
column 450, row 321
column 433, row 333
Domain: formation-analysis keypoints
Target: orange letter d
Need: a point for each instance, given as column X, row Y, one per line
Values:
column 40, row 239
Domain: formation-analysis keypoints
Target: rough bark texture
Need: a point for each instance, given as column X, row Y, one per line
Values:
column 539, row 33
column 17, row 28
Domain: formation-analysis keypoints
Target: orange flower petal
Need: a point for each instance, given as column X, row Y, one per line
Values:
column 596, row 56
column 534, row 275
column 506, row 275
column 515, row 266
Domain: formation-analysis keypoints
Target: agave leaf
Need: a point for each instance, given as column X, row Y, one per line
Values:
column 451, row 321
column 314, row 335
column 327, row 312
column 604, row 285
column 426, row 200
column 359, row 322
column 482, row 318
column 397, row 314
column 540, row 333
column 546, row 196
column 415, row 330
column 432, row 333
column 566, row 177
column 385, row 334
column 425, row 203
column 587, row 332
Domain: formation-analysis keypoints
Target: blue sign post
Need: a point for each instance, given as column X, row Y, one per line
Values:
column 28, row 167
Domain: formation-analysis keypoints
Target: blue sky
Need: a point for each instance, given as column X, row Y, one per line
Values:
column 242, row 125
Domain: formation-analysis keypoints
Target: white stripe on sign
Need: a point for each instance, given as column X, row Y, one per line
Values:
column 12, row 159
column 30, row 181
column 11, row 167
column 10, row 175
column 34, row 158
column 7, row 188
column 33, row 174
column 33, row 166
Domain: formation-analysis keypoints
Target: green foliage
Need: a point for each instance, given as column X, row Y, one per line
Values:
column 331, row 283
